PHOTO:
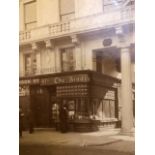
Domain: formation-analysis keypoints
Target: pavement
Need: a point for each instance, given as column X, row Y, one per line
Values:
column 50, row 142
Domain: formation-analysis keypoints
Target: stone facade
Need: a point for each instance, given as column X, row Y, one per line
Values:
column 57, row 42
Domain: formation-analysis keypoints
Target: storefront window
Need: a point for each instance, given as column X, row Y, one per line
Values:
column 104, row 108
column 82, row 108
column 55, row 111
column 71, row 109
column 112, row 108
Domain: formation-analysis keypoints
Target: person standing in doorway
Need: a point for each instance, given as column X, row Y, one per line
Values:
column 63, row 116
column 21, row 115
column 31, row 122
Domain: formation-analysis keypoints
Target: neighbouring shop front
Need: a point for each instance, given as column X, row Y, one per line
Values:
column 91, row 99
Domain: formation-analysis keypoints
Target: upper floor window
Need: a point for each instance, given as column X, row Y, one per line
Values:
column 30, row 15
column 68, row 59
column 98, row 61
column 131, row 2
column 111, row 4
column 67, row 9
column 30, row 64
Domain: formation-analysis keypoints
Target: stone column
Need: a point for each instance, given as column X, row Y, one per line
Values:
column 126, row 82
column 126, row 91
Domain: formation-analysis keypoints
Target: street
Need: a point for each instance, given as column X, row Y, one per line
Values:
column 108, row 142
column 70, row 150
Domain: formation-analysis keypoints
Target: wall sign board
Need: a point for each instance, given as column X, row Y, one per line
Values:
column 56, row 80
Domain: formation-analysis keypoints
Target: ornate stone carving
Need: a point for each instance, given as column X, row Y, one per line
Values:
column 75, row 39
column 121, row 37
column 119, row 31
column 34, row 46
column 49, row 43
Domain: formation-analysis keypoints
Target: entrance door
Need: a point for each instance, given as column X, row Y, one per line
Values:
column 40, row 101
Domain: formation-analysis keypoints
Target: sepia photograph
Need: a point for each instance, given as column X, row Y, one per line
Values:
column 76, row 77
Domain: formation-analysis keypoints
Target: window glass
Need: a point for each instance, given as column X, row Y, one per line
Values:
column 67, row 9
column 66, row 6
column 30, row 64
column 68, row 59
column 30, row 14
column 111, row 4
column 99, row 64
column 106, row 108
column 27, row 64
column 112, row 109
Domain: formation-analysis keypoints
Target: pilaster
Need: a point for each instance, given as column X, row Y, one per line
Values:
column 78, row 63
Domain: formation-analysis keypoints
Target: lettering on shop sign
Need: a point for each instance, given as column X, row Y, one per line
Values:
column 25, row 82
column 56, row 80
column 29, row 81
column 66, row 79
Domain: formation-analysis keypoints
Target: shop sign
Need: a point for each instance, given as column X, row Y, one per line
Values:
column 56, row 80
column 29, row 81
column 35, row 81
column 25, row 82
column 65, row 79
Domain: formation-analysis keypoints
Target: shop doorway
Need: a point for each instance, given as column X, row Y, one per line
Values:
column 41, row 105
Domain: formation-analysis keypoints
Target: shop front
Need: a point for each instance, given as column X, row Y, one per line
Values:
column 91, row 100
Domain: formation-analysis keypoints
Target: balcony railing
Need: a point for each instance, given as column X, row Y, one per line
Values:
column 97, row 21
column 59, row 28
column 25, row 35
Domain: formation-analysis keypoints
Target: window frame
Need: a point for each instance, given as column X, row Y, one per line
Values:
column 70, row 63
column 65, row 16
column 26, row 24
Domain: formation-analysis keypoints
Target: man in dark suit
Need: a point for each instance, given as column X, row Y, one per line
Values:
column 63, row 116
column 21, row 115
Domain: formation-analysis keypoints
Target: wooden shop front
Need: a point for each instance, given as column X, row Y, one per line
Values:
column 91, row 99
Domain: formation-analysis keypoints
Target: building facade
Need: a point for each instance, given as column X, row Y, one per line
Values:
column 81, row 53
